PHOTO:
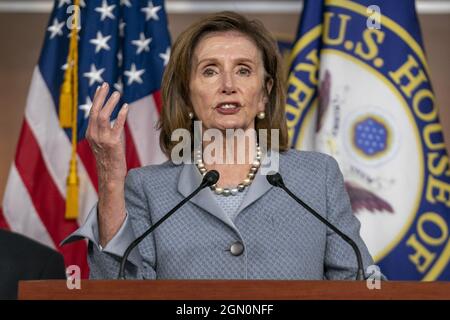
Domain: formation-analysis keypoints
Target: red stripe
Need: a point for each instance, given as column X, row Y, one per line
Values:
column 87, row 157
column 130, row 150
column 158, row 101
column 48, row 202
column 3, row 222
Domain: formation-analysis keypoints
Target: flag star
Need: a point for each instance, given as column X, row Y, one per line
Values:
column 82, row 3
column 165, row 56
column 56, row 28
column 86, row 107
column 142, row 44
column 134, row 75
column 125, row 3
column 119, row 85
column 63, row 2
column 100, row 42
column 151, row 12
column 105, row 10
column 94, row 75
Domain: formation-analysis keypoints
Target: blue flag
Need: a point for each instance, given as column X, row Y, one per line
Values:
column 360, row 90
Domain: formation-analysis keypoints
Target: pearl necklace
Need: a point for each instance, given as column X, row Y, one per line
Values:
column 241, row 186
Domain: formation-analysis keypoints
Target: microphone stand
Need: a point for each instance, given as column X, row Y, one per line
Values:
column 277, row 181
column 210, row 178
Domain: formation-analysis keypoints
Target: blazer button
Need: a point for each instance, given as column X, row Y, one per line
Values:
column 237, row 248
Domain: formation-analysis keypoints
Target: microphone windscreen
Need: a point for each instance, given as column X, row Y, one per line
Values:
column 211, row 177
column 275, row 179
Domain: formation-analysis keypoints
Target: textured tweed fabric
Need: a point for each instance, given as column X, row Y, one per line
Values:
column 281, row 239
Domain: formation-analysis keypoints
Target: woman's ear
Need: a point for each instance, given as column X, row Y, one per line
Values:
column 262, row 105
column 267, row 89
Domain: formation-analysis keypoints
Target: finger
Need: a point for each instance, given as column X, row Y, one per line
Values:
column 99, row 99
column 121, row 118
column 105, row 114
column 92, row 124
column 95, row 96
column 96, row 92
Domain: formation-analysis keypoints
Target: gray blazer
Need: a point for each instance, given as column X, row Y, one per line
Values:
column 281, row 240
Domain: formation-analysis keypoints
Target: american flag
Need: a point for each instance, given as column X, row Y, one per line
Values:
column 125, row 43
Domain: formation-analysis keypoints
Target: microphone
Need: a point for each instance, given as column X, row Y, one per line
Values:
column 276, row 180
column 210, row 178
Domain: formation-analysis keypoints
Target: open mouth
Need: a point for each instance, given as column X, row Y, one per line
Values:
column 228, row 107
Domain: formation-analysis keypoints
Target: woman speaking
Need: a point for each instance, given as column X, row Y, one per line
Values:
column 225, row 74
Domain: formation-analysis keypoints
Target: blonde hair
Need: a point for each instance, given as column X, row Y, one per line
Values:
column 175, row 83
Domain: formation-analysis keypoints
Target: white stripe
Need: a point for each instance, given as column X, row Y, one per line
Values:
column 142, row 118
column 55, row 146
column 20, row 213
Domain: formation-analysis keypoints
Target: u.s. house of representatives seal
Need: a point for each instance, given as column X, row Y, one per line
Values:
column 375, row 112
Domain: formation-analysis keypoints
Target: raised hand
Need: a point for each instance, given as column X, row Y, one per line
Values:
column 108, row 145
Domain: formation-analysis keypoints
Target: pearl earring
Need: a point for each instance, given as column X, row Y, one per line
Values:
column 191, row 115
column 261, row 115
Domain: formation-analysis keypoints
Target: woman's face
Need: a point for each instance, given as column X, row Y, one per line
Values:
column 227, row 81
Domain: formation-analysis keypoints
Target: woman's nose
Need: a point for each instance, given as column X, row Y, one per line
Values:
column 228, row 83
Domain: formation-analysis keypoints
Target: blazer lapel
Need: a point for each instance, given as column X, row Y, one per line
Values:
column 190, row 178
column 260, row 185
column 257, row 189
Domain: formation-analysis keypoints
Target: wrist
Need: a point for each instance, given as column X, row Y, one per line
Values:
column 112, row 186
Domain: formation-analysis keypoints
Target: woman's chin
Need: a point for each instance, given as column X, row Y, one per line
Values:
column 231, row 126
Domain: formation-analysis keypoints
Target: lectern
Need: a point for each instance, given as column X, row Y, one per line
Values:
column 232, row 290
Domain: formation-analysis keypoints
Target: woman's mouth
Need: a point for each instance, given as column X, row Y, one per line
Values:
column 228, row 108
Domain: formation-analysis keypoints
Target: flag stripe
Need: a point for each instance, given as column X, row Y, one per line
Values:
column 41, row 117
column 142, row 121
column 21, row 215
column 131, row 152
column 40, row 185
column 158, row 101
column 3, row 222
column 46, row 196
column 87, row 158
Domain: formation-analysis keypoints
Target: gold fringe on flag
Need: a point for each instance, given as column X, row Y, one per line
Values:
column 68, row 114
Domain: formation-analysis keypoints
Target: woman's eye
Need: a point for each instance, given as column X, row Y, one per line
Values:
column 244, row 71
column 209, row 72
